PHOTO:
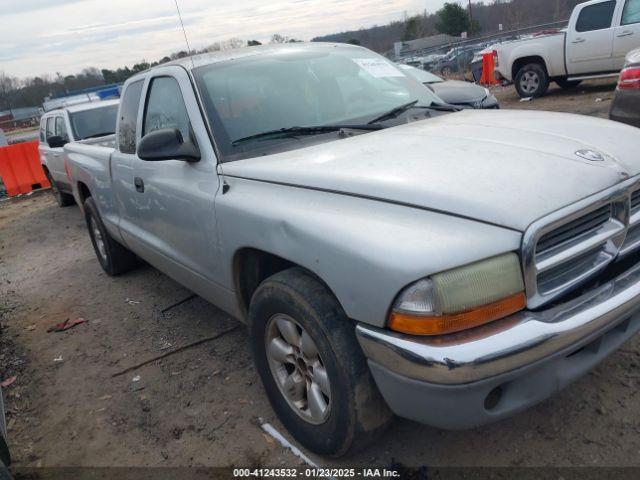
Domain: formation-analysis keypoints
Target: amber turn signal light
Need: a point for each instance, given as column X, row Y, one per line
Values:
column 440, row 325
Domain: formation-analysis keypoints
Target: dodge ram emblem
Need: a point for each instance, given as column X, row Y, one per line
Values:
column 590, row 155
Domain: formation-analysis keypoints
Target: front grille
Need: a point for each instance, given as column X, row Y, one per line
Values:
column 635, row 201
column 574, row 230
column 555, row 278
column 572, row 245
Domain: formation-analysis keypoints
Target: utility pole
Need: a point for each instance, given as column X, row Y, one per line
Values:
column 470, row 20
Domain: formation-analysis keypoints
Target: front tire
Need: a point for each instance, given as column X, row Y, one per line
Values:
column 532, row 80
column 311, row 366
column 113, row 257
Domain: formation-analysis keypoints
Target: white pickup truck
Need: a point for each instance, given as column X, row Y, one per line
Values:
column 594, row 45
column 88, row 123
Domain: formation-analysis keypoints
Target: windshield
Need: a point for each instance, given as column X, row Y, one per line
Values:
column 300, row 86
column 421, row 75
column 96, row 122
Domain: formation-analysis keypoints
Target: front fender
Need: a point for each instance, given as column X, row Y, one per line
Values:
column 366, row 251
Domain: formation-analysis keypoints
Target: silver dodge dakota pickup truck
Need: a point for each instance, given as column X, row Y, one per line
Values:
column 389, row 256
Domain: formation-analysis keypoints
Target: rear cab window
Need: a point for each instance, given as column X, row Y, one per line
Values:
column 596, row 17
column 129, row 106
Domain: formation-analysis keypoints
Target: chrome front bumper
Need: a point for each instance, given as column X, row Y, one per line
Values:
column 508, row 344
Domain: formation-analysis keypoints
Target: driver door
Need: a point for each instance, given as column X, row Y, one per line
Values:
column 590, row 39
column 175, row 198
column 56, row 126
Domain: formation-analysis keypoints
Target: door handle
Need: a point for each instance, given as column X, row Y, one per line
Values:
column 579, row 40
column 56, row 155
column 137, row 181
column 626, row 33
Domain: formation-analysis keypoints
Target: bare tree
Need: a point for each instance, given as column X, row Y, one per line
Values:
column 277, row 38
column 7, row 86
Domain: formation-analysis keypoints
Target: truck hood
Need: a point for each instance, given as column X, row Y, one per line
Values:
column 507, row 168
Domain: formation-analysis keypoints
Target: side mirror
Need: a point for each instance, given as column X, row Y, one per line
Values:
column 56, row 141
column 167, row 144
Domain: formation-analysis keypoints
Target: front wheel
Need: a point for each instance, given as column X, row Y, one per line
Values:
column 312, row 368
column 113, row 257
column 532, row 81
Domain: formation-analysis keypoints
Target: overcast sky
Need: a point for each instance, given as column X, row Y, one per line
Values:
column 49, row 36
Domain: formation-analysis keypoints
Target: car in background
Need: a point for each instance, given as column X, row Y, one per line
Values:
column 454, row 92
column 430, row 60
column 5, row 457
column 454, row 62
column 91, row 123
column 594, row 45
column 625, row 107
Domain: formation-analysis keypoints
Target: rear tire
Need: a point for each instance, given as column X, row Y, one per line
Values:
column 566, row 84
column 63, row 199
column 532, row 80
column 113, row 257
column 318, row 356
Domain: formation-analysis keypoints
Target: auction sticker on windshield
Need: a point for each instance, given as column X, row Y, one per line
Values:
column 378, row 68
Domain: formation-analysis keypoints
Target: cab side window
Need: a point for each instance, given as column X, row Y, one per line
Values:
column 51, row 131
column 61, row 129
column 631, row 12
column 129, row 117
column 596, row 17
column 165, row 107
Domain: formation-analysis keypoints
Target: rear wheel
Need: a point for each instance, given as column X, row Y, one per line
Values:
column 566, row 84
column 532, row 81
column 113, row 257
column 63, row 199
column 312, row 368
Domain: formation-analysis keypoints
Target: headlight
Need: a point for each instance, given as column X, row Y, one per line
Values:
column 461, row 298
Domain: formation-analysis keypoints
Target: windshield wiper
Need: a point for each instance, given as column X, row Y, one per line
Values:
column 299, row 131
column 96, row 135
column 397, row 111
column 445, row 107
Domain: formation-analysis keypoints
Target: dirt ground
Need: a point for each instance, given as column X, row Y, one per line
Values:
column 202, row 406
column 589, row 98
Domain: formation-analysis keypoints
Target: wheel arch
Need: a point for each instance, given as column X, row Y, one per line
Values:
column 83, row 192
column 251, row 266
column 522, row 61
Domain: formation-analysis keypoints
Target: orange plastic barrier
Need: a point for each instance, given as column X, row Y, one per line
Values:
column 488, row 66
column 20, row 168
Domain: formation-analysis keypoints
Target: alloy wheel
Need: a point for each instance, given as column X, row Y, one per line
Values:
column 530, row 82
column 298, row 369
column 97, row 236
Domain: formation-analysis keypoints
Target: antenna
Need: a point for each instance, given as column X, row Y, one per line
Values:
column 184, row 31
